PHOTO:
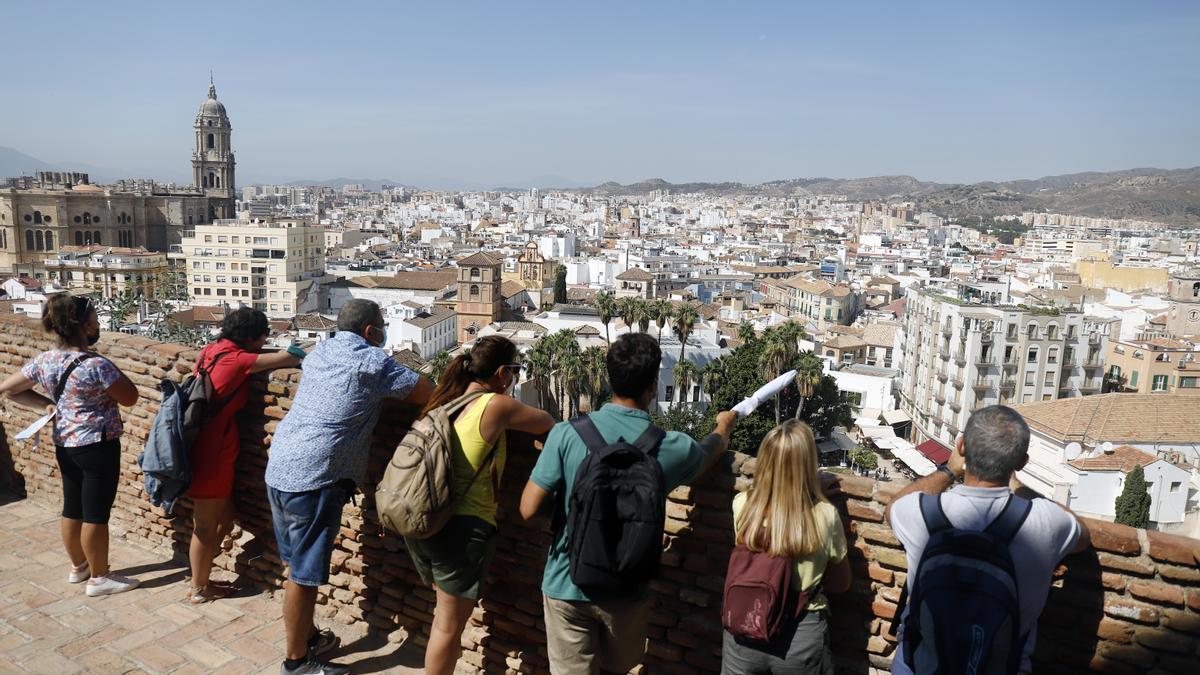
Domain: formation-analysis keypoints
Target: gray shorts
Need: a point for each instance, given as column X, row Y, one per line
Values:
column 808, row 652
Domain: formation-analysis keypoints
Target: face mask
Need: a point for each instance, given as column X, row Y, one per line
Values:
column 382, row 336
column 93, row 339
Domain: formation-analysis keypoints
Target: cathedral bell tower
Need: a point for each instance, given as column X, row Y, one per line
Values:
column 212, row 157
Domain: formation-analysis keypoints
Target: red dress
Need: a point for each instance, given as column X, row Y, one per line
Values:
column 216, row 448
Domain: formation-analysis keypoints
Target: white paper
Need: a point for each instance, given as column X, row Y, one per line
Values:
column 765, row 392
column 32, row 429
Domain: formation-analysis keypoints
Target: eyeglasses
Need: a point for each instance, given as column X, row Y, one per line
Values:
column 515, row 367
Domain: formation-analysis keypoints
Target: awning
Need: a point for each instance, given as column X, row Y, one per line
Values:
column 915, row 460
column 897, row 416
column 936, row 452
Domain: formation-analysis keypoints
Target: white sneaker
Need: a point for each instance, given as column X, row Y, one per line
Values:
column 78, row 574
column 113, row 583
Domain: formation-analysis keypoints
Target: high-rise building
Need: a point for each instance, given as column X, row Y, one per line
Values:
column 272, row 266
column 957, row 356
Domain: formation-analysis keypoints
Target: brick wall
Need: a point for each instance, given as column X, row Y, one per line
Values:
column 1130, row 605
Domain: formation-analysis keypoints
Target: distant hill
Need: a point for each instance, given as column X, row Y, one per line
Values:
column 16, row 163
column 1167, row 195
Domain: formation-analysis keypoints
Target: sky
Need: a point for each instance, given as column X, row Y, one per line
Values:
column 486, row 94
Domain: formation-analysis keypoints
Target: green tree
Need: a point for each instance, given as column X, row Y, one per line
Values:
column 539, row 363
column 684, row 322
column 775, row 359
column 1133, row 504
column 826, row 408
column 685, row 373
column 685, row 419
column 864, row 458
column 746, row 332
column 627, row 309
column 810, row 369
column 606, row 307
column 437, row 365
column 560, row 284
column 596, row 360
column 660, row 310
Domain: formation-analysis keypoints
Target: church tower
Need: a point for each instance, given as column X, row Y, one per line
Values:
column 212, row 157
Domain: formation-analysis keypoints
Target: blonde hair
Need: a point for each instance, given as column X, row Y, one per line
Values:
column 777, row 515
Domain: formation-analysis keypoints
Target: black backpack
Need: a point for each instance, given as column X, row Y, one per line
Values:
column 617, row 512
column 965, row 613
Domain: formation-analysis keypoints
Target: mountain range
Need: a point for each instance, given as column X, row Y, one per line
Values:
column 1167, row 195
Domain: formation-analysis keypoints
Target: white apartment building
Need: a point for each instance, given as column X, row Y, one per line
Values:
column 957, row 356
column 428, row 331
column 108, row 270
column 273, row 266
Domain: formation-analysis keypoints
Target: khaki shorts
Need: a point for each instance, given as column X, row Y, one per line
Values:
column 583, row 638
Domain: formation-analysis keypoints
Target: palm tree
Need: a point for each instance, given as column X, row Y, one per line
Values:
column 606, row 306
column 564, row 352
column 790, row 331
column 809, row 371
column 627, row 310
column 437, row 365
column 713, row 377
column 644, row 315
column 573, row 372
column 746, row 332
column 683, row 321
column 538, row 363
column 685, row 372
column 596, row 360
column 773, row 362
column 661, row 311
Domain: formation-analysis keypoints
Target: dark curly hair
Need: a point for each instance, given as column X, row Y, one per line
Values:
column 65, row 314
column 633, row 363
column 243, row 325
column 478, row 365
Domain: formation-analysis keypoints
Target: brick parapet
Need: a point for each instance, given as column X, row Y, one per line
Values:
column 1132, row 603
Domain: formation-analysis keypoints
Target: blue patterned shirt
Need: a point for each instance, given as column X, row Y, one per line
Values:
column 326, row 436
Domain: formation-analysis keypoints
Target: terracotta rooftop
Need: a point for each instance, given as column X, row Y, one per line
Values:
column 427, row 319
column 635, row 274
column 1116, row 418
column 481, row 259
column 313, row 322
column 414, row 281
column 1122, row 458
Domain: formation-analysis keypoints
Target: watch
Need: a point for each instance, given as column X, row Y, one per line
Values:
column 945, row 468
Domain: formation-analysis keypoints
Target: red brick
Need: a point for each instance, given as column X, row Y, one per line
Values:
column 1153, row 591
column 1193, row 600
column 1115, row 631
column 1113, row 537
column 879, row 534
column 1099, row 664
column 860, row 510
column 883, row 609
column 1189, row 575
column 1133, row 611
column 1177, row 619
column 1131, row 654
column 1157, row 638
column 1112, row 581
column 1139, row 566
column 1172, row 548
column 856, row 486
column 877, row 573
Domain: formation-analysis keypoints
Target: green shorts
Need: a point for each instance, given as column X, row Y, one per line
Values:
column 457, row 557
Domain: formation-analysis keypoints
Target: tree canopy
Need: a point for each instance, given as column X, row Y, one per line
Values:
column 1133, row 504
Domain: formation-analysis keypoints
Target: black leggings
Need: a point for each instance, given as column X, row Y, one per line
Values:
column 89, row 475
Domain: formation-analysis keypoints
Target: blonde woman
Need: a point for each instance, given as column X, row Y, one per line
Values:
column 785, row 514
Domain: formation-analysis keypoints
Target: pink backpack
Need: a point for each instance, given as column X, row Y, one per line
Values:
column 760, row 602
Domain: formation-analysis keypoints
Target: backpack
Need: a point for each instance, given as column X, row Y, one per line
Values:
column 165, row 461
column 760, row 603
column 415, row 498
column 965, row 614
column 617, row 511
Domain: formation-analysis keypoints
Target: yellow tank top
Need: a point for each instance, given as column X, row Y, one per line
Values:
column 472, row 451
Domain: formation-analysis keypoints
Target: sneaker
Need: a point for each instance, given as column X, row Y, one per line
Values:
column 79, row 574
column 312, row 666
column 113, row 583
column 322, row 641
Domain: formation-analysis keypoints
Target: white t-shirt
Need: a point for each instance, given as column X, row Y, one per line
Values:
column 1048, row 534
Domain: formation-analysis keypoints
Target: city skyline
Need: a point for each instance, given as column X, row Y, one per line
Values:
column 480, row 97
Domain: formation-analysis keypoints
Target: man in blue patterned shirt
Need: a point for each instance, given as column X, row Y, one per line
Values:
column 319, row 453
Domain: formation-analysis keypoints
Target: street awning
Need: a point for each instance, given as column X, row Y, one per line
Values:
column 915, row 460
column 897, row 416
column 936, row 452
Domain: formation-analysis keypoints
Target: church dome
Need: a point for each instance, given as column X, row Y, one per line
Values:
column 212, row 107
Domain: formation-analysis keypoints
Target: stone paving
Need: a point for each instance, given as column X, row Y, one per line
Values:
column 50, row 626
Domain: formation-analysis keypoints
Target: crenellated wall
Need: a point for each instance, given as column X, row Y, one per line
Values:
column 1131, row 605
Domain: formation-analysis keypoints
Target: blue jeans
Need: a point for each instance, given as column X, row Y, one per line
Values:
column 306, row 524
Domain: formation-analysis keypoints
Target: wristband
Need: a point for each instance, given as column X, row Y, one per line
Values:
column 946, row 470
column 297, row 352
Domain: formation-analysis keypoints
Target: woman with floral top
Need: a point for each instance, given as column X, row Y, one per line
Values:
column 87, row 433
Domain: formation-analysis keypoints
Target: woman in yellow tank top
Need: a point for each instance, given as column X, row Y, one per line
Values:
column 455, row 560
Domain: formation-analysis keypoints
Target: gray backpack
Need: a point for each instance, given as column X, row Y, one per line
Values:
column 415, row 498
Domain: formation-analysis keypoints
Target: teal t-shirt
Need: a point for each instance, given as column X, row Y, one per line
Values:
column 680, row 456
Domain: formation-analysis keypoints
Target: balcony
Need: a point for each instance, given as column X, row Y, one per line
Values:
column 958, row 382
column 947, row 330
column 985, row 338
column 942, row 377
column 956, row 406
column 944, row 354
column 1008, row 384
column 952, row 428
column 1011, row 363
column 941, row 399
column 984, row 383
column 960, row 359
column 985, row 360
column 1089, row 388
column 1094, row 338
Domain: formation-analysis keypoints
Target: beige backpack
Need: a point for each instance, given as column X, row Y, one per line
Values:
column 415, row 498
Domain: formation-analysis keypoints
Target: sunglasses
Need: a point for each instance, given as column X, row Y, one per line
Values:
column 515, row 367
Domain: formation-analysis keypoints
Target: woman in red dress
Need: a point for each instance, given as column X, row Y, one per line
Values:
column 230, row 361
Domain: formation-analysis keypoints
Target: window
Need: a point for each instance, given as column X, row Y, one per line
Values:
column 210, row 141
column 1175, row 485
column 1032, row 356
column 1029, row 378
column 29, row 240
column 474, row 290
column 1187, row 382
column 1114, row 370
column 49, row 241
column 854, row 398
column 1159, row 383
column 474, row 272
column 1133, row 379
column 670, row 392
column 220, row 291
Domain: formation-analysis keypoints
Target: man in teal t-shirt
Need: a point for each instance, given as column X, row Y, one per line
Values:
column 583, row 632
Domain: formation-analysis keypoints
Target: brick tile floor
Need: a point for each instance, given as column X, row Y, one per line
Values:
column 50, row 626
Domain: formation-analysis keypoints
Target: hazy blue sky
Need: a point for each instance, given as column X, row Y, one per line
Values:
column 511, row 92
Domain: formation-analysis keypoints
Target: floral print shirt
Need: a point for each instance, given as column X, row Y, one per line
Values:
column 86, row 413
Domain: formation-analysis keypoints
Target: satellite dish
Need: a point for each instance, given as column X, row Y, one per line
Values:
column 1073, row 450
column 1106, row 448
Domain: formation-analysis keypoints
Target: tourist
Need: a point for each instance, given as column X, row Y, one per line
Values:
column 785, row 514
column 229, row 361
column 84, row 391
column 454, row 561
column 586, row 632
column 318, row 457
column 993, row 447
